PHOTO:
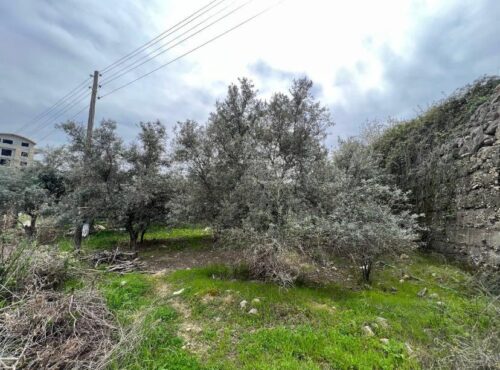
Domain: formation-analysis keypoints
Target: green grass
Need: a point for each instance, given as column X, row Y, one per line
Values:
column 132, row 298
column 173, row 238
column 299, row 328
column 313, row 327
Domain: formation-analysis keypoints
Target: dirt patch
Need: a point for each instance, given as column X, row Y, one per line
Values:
column 181, row 308
column 163, row 290
column 162, row 258
column 189, row 330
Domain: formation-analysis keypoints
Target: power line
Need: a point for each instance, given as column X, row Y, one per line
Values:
column 74, row 97
column 71, row 118
column 148, row 58
column 193, row 50
column 159, row 37
column 64, row 100
column 54, row 106
column 70, row 106
column 151, row 55
column 62, row 110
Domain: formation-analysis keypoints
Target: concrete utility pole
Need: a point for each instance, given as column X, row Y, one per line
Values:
column 90, row 124
column 83, row 218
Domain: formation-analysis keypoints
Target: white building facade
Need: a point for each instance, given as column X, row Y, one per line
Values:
column 16, row 150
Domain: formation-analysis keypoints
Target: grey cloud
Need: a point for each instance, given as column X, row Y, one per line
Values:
column 448, row 52
column 48, row 46
column 263, row 70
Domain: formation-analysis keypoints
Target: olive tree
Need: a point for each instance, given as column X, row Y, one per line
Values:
column 91, row 174
column 22, row 191
column 260, row 171
column 218, row 156
column 143, row 195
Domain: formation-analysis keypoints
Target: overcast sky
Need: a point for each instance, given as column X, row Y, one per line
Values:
column 369, row 60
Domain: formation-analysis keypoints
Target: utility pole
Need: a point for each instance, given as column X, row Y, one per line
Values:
column 90, row 124
column 83, row 217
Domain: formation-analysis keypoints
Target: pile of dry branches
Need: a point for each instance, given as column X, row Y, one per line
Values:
column 42, row 328
column 47, row 269
column 117, row 260
column 52, row 330
column 270, row 261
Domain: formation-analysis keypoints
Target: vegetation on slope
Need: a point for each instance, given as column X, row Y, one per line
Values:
column 410, row 150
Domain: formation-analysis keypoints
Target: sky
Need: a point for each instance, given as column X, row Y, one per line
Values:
column 369, row 60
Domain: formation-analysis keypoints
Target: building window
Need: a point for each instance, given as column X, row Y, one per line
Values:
column 24, row 154
column 7, row 152
column 7, row 141
column 4, row 162
column 25, row 144
column 24, row 163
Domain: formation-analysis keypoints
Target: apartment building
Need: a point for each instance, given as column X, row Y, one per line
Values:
column 16, row 150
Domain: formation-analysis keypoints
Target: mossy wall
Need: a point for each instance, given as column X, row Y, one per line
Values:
column 449, row 158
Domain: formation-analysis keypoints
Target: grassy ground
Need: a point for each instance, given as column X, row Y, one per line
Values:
column 174, row 239
column 205, row 327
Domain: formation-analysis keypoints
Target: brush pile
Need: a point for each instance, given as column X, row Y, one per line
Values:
column 52, row 330
column 41, row 327
column 117, row 261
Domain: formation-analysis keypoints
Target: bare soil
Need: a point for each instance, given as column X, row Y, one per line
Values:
column 162, row 258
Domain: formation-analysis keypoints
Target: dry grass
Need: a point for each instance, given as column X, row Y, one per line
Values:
column 270, row 261
column 475, row 351
column 51, row 330
column 43, row 328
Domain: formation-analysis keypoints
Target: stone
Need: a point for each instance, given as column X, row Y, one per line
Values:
column 178, row 292
column 243, row 304
column 404, row 256
column 367, row 331
column 488, row 141
column 409, row 349
column 394, row 289
column 434, row 296
column 382, row 322
column 440, row 303
column 99, row 227
column 477, row 139
column 253, row 311
column 422, row 293
column 491, row 129
column 256, row 301
column 384, row 341
column 123, row 282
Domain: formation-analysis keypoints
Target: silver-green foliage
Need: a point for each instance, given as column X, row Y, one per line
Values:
column 261, row 168
column 124, row 185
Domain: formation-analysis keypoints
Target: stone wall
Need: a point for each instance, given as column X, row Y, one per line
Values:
column 452, row 166
column 472, row 229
